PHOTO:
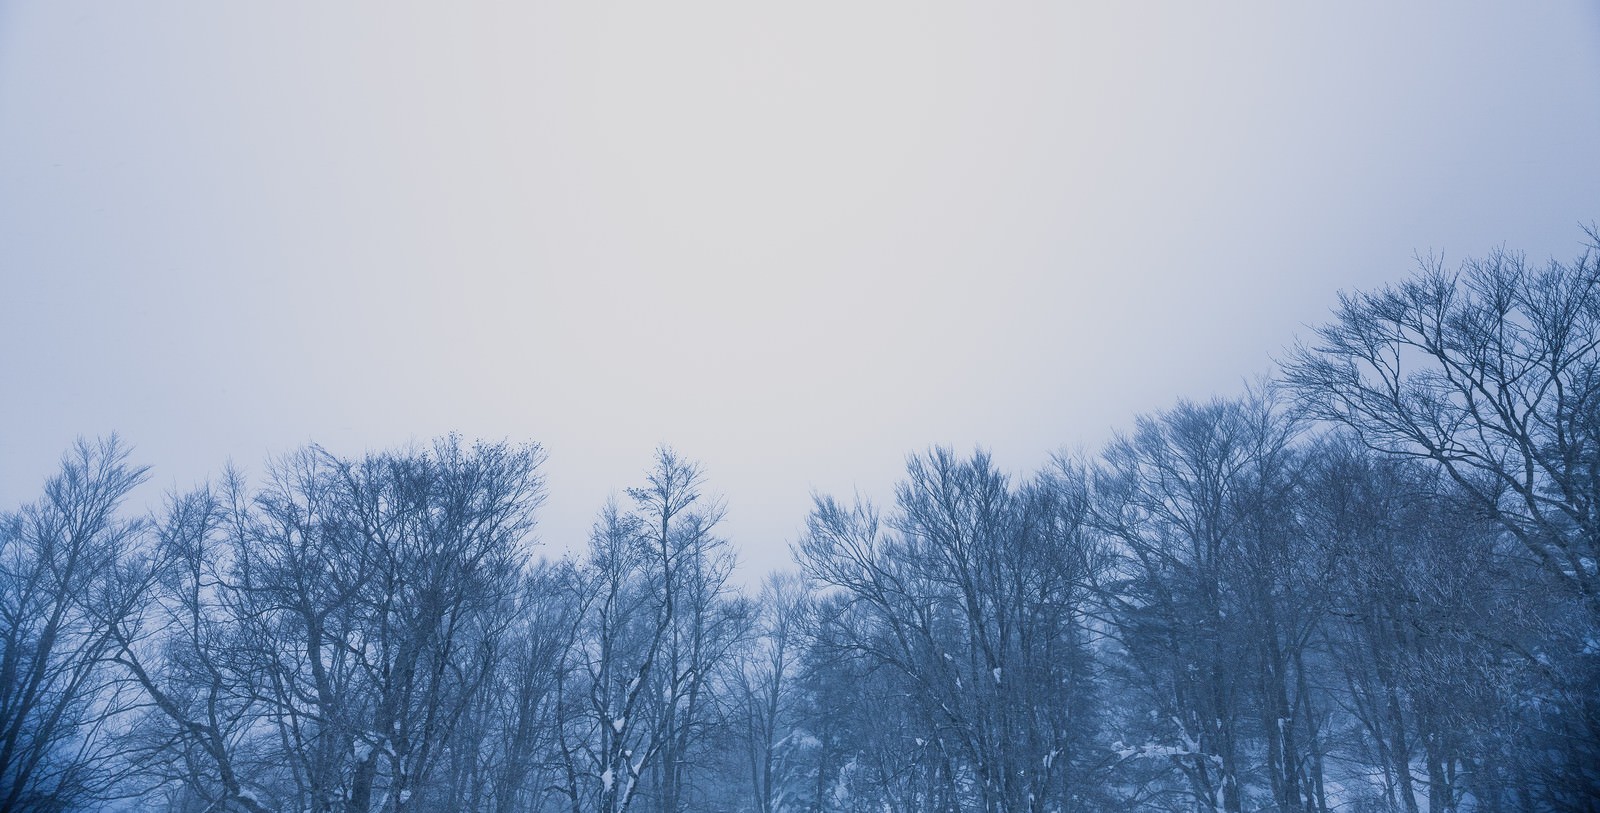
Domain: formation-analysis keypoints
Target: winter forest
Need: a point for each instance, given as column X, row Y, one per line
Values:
column 1369, row 583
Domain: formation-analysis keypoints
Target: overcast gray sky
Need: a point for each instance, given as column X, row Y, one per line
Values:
column 795, row 240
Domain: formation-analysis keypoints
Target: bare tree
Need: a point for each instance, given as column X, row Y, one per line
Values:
column 656, row 621
column 317, row 643
column 610, row 654
column 976, row 599
column 444, row 533
column 64, row 563
column 505, row 758
column 765, row 693
column 184, row 651
column 1211, row 611
column 1493, row 373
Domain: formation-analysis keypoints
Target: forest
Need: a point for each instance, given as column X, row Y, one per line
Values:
column 1368, row 583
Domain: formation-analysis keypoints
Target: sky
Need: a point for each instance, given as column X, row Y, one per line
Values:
column 795, row 241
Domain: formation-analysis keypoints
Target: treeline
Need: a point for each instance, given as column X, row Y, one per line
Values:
column 1369, row 585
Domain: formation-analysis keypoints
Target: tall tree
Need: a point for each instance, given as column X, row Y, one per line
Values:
column 1211, row 610
column 656, row 620
column 318, row 641
column 766, row 695
column 975, row 596
column 65, row 582
column 1492, row 372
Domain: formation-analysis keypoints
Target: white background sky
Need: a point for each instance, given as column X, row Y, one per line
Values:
column 795, row 240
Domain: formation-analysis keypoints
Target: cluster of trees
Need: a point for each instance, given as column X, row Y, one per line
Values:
column 1369, row 585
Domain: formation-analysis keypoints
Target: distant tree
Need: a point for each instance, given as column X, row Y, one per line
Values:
column 765, row 694
column 65, row 566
